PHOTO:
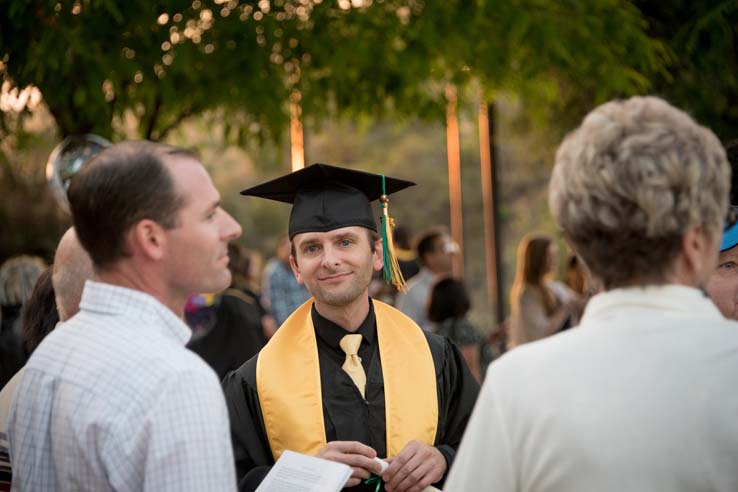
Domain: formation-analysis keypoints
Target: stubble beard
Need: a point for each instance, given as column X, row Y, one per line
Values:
column 345, row 296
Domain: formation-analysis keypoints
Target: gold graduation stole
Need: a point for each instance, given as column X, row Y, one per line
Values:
column 290, row 396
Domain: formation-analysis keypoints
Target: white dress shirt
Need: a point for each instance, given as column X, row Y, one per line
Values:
column 112, row 400
column 642, row 396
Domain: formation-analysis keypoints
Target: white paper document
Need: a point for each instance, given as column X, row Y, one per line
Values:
column 295, row 472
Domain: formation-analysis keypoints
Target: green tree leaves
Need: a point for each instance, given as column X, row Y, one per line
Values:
column 167, row 60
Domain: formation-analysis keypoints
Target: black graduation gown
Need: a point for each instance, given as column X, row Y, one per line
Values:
column 348, row 416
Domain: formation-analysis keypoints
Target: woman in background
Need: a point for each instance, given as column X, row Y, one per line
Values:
column 539, row 307
column 449, row 303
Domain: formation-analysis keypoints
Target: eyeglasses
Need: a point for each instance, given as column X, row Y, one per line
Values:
column 732, row 218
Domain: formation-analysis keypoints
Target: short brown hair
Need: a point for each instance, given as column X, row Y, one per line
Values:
column 122, row 185
column 428, row 241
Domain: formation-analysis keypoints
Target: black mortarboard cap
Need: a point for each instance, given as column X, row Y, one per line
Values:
column 326, row 197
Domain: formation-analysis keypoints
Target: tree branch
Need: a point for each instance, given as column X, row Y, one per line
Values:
column 186, row 113
column 153, row 117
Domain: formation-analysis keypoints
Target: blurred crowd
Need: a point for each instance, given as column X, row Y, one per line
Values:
column 231, row 326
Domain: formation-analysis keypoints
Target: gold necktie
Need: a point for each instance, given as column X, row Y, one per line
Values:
column 350, row 345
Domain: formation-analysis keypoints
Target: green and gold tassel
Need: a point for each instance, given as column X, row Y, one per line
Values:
column 391, row 271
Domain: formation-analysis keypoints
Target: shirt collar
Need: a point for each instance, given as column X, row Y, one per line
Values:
column 332, row 334
column 112, row 299
column 667, row 300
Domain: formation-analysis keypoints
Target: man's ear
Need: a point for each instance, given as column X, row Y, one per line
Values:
column 295, row 270
column 378, row 255
column 699, row 255
column 147, row 238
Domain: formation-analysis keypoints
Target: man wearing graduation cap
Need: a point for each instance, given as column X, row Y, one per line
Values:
column 348, row 378
column 722, row 286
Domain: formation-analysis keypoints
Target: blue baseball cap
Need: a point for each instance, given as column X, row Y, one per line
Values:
column 730, row 234
column 730, row 238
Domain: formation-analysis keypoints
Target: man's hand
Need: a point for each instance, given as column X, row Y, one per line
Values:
column 358, row 456
column 416, row 467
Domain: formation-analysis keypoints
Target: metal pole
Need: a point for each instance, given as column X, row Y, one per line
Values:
column 485, row 161
column 491, row 210
column 454, row 178
column 297, row 143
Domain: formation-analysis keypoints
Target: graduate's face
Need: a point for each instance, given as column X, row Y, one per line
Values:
column 336, row 266
column 722, row 286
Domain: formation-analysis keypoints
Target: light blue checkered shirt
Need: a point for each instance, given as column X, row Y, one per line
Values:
column 111, row 400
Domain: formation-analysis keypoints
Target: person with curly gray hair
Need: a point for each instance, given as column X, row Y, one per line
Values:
column 641, row 396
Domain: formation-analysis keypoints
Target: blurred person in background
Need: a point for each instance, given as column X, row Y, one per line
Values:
column 72, row 268
column 17, row 277
column 538, row 306
column 723, row 283
column 285, row 294
column 39, row 318
column 435, row 253
column 642, row 394
column 246, row 269
column 227, row 328
column 407, row 257
column 574, row 277
column 40, row 313
column 447, row 310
